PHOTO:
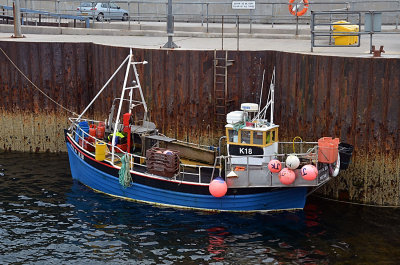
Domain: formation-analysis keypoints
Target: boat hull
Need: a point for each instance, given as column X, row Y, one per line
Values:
column 146, row 188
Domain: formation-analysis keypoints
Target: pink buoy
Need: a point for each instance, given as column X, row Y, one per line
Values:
column 218, row 187
column 309, row 172
column 286, row 176
column 274, row 166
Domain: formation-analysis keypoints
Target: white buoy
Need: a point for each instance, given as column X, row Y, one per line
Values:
column 292, row 162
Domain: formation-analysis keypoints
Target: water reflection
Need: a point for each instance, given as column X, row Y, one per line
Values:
column 45, row 217
column 216, row 238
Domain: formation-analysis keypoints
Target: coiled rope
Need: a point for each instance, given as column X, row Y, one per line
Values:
column 37, row 88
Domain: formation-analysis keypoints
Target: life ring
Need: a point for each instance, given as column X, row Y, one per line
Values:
column 299, row 13
column 334, row 171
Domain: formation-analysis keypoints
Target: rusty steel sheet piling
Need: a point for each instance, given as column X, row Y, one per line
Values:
column 355, row 99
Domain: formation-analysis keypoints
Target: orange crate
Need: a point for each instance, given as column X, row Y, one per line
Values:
column 328, row 150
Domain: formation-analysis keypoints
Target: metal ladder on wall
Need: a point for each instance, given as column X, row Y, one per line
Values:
column 221, row 100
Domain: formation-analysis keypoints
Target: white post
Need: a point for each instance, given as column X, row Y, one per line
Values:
column 272, row 96
column 141, row 92
column 120, row 106
column 17, row 19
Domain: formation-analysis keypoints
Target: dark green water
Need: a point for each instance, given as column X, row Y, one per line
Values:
column 46, row 218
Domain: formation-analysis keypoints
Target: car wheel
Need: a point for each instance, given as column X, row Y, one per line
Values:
column 125, row 17
column 100, row 17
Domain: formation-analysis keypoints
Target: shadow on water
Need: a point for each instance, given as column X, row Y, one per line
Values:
column 45, row 217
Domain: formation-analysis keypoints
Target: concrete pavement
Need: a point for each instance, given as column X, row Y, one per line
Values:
column 191, row 36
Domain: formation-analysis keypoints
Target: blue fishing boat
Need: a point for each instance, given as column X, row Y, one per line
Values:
column 126, row 156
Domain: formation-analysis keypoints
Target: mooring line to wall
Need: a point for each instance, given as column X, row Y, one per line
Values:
column 358, row 203
column 41, row 91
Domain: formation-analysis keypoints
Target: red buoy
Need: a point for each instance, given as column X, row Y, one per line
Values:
column 309, row 172
column 274, row 166
column 218, row 187
column 286, row 176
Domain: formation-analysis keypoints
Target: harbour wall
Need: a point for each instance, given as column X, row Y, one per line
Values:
column 355, row 99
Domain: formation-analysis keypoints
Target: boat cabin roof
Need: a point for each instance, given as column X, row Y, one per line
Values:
column 250, row 126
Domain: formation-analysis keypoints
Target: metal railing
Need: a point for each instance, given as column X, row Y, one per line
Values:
column 38, row 17
column 323, row 23
column 204, row 12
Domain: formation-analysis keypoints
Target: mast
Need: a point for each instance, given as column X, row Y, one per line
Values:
column 120, row 106
column 136, row 84
column 270, row 102
column 272, row 89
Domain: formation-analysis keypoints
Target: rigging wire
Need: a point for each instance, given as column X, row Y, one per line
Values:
column 41, row 91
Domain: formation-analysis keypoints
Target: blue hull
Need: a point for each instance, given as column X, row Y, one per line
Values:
column 91, row 176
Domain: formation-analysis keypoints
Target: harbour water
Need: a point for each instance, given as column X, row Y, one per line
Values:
column 47, row 218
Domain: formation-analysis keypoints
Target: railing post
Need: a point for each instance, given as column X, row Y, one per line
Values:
column 297, row 22
column 312, row 30
column 371, row 31
column 238, row 31
column 207, row 17
column 58, row 12
column 202, row 14
column 222, row 32
column 397, row 16
column 138, row 11
column 359, row 29
column 272, row 15
column 250, row 19
column 330, row 29
column 129, row 19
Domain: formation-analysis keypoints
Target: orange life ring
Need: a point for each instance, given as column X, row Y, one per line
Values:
column 301, row 12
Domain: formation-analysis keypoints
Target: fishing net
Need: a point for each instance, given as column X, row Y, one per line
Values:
column 125, row 178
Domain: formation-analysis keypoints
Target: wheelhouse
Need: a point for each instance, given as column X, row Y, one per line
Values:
column 251, row 136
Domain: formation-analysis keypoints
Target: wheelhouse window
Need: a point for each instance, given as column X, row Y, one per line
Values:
column 245, row 137
column 268, row 138
column 258, row 138
column 233, row 136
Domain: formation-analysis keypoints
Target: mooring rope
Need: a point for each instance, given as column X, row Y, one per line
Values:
column 358, row 203
column 55, row 102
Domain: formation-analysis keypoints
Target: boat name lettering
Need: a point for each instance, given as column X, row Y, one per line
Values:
column 79, row 154
column 238, row 150
column 323, row 173
column 245, row 151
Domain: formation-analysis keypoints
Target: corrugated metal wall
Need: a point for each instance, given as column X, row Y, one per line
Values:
column 355, row 99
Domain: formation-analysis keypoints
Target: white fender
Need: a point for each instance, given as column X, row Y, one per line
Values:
column 335, row 171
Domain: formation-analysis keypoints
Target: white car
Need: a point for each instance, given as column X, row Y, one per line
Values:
column 102, row 11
